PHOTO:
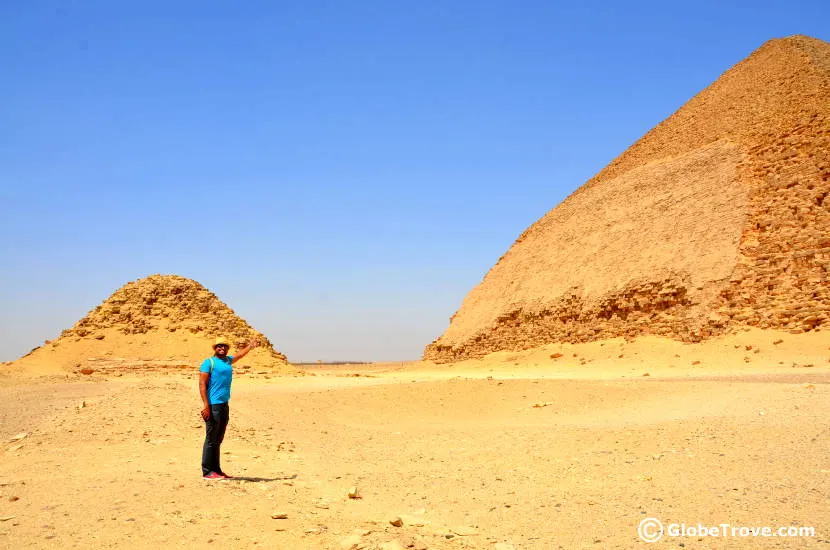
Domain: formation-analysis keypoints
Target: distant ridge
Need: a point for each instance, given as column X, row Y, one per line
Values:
column 716, row 218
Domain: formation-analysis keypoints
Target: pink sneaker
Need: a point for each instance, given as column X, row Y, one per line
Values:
column 213, row 475
column 225, row 476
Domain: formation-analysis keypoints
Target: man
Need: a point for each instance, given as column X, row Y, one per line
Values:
column 215, row 376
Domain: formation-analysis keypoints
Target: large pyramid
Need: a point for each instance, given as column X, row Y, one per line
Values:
column 156, row 323
column 715, row 219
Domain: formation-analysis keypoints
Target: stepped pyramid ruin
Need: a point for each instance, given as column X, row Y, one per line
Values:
column 158, row 322
column 715, row 219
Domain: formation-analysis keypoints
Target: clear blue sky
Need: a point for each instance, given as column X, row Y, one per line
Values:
column 339, row 173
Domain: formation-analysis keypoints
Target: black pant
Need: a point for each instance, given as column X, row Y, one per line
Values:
column 214, row 434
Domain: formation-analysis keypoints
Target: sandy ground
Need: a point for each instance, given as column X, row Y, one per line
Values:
column 518, row 450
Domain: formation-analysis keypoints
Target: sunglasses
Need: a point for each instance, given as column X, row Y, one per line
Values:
column 225, row 346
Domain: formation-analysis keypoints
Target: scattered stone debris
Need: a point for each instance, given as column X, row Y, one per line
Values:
column 352, row 542
column 413, row 521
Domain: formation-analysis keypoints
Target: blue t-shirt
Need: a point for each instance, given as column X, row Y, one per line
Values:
column 219, row 384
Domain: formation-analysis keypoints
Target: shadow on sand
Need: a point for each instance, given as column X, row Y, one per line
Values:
column 262, row 479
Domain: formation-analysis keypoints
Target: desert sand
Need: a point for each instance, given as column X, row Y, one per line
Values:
column 564, row 446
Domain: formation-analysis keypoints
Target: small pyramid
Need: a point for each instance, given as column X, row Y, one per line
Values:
column 716, row 218
column 155, row 323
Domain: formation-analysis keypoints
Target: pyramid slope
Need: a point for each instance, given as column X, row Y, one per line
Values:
column 715, row 218
column 158, row 322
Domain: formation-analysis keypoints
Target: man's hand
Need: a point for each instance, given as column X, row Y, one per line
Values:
column 244, row 351
column 206, row 414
